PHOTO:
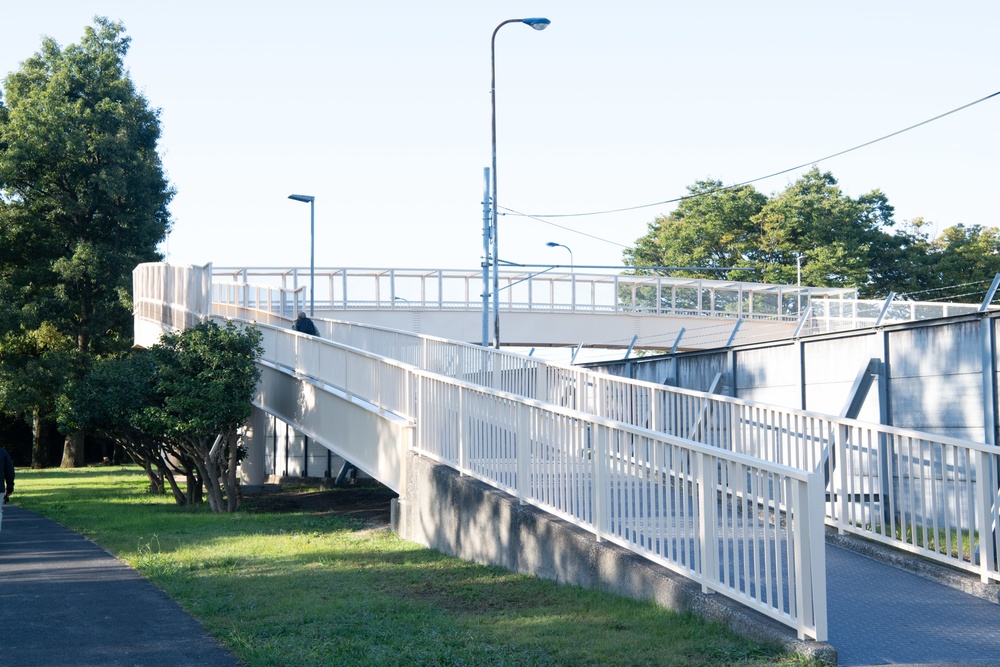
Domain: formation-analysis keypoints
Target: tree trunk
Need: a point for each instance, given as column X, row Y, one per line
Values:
column 210, row 476
column 72, row 456
column 233, row 497
column 73, row 450
column 39, row 456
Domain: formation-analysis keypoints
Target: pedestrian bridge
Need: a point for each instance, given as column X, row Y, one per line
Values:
column 732, row 494
column 550, row 308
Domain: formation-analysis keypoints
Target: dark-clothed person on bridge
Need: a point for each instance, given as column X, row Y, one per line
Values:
column 7, row 464
column 304, row 325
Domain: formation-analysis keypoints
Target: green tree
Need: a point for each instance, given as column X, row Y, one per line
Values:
column 205, row 379
column 907, row 263
column 710, row 228
column 114, row 400
column 842, row 241
column 83, row 199
column 967, row 255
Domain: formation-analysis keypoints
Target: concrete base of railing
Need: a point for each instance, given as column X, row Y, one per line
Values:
column 463, row 517
column 966, row 582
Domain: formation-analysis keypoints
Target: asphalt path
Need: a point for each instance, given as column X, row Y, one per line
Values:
column 64, row 601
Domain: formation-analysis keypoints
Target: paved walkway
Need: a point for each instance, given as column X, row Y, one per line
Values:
column 882, row 615
column 65, row 601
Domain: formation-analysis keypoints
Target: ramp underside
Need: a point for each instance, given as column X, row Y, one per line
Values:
column 374, row 442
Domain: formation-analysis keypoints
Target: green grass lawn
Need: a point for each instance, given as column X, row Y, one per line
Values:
column 286, row 589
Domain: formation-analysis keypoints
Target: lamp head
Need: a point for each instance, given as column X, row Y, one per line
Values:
column 537, row 24
column 305, row 198
column 552, row 244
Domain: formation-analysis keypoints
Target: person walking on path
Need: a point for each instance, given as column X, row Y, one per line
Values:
column 7, row 464
column 304, row 325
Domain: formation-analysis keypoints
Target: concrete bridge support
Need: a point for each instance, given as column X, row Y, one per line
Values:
column 252, row 467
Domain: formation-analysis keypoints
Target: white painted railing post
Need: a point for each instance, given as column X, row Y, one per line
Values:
column 704, row 478
column 805, row 527
column 600, row 493
column 463, row 441
column 572, row 284
column 986, row 502
column 840, row 458
column 655, row 412
column 522, row 420
column 542, row 383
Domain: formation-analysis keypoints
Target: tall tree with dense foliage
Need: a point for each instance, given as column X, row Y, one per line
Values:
column 83, row 199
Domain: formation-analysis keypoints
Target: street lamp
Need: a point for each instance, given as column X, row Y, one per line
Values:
column 537, row 24
column 553, row 244
column 312, row 249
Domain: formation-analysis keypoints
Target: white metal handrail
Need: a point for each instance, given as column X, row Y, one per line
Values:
column 541, row 291
column 817, row 310
column 830, row 315
column 744, row 527
column 927, row 494
column 740, row 526
column 924, row 500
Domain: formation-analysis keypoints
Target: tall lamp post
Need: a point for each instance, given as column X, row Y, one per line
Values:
column 537, row 24
column 553, row 244
column 312, row 249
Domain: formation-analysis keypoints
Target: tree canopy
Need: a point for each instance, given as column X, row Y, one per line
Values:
column 176, row 408
column 206, row 377
column 837, row 240
column 711, row 227
column 83, row 200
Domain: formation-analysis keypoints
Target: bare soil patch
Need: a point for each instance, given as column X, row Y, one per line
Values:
column 369, row 503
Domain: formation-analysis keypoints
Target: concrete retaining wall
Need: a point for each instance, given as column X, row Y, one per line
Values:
column 463, row 517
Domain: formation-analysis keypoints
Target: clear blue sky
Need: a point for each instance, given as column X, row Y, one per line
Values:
column 381, row 110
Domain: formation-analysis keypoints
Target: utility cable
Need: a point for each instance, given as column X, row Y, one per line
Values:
column 762, row 178
column 947, row 287
column 981, row 292
column 568, row 229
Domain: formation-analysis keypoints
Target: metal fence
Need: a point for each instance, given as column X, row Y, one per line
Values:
column 543, row 291
column 747, row 528
column 536, row 429
column 835, row 314
column 928, row 494
column 936, row 498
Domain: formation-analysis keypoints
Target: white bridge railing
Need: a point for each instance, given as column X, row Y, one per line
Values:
column 627, row 460
column 816, row 310
column 744, row 527
column 544, row 290
column 927, row 494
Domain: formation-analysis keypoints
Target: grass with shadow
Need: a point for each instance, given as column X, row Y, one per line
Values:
column 324, row 588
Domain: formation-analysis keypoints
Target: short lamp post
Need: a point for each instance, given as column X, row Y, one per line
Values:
column 553, row 244
column 312, row 249
column 572, row 272
column 537, row 24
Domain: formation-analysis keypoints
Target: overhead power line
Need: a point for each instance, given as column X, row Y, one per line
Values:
column 760, row 178
column 569, row 229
